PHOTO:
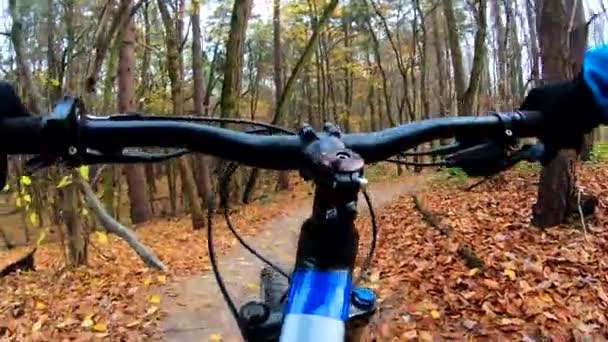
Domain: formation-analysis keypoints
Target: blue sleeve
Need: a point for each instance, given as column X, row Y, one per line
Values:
column 595, row 74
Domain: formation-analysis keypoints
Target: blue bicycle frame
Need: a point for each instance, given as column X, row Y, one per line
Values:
column 318, row 306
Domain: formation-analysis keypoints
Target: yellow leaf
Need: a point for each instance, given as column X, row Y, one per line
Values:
column 253, row 286
column 102, row 238
column 546, row 298
column 27, row 198
column 161, row 278
column 100, row 327
column 55, row 82
column 41, row 236
column 40, row 306
column 88, row 321
column 25, row 180
column 147, row 281
column 7, row 187
column 435, row 314
column 85, row 212
column 84, row 172
column 65, row 181
column 474, row 271
column 155, row 299
column 18, row 202
column 34, row 218
column 215, row 338
column 510, row 273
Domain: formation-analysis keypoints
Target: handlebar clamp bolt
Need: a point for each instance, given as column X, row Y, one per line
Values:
column 72, row 150
column 508, row 133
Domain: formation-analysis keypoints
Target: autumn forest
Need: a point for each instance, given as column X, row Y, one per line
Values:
column 118, row 252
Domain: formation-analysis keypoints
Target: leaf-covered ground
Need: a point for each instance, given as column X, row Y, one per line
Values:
column 117, row 298
column 537, row 284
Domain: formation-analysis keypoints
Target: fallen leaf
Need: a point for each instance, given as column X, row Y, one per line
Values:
column 151, row 310
column 491, row 284
column 215, row 338
column 102, row 237
column 100, row 327
column 88, row 321
column 40, row 306
column 473, row 271
column 469, row 324
column 435, row 314
column 155, row 299
column 37, row 326
column 550, row 316
column 161, row 279
column 510, row 274
column 147, row 281
column 410, row 335
column 253, row 286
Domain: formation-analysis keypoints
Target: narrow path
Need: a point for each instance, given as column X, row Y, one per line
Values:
column 196, row 309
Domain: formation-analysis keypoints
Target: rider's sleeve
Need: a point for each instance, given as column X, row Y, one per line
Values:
column 595, row 74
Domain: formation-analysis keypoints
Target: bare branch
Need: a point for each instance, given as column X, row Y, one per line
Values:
column 114, row 227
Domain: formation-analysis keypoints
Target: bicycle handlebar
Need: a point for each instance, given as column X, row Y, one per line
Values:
column 67, row 134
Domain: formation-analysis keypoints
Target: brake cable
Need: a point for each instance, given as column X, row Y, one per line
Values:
column 368, row 260
column 224, row 195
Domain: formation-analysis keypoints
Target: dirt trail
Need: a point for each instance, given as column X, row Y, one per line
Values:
column 199, row 310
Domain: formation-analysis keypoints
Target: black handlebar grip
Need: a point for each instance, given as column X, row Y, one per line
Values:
column 23, row 135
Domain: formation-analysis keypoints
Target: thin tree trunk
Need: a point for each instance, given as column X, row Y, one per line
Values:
column 456, row 53
column 535, row 54
column 283, row 182
column 203, row 180
column 138, row 195
column 175, row 75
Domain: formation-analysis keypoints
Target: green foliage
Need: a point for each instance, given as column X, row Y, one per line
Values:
column 599, row 152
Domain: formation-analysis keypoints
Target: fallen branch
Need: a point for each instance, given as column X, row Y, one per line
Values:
column 102, row 254
column 432, row 218
column 466, row 253
column 114, row 227
column 477, row 184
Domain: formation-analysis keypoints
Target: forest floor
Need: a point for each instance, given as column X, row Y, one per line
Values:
column 535, row 285
column 196, row 310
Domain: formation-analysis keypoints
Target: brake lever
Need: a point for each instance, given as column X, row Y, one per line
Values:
column 95, row 157
column 491, row 158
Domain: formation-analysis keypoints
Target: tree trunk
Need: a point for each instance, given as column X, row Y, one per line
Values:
column 203, row 180
column 577, row 35
column 456, row 52
column 467, row 102
column 535, row 54
column 500, row 53
column 175, row 75
column 557, row 180
column 77, row 237
column 235, row 48
column 439, row 58
column 138, row 195
column 283, row 183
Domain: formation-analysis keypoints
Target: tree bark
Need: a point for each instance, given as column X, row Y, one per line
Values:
column 203, row 180
column 175, row 75
column 283, row 183
column 535, row 54
column 468, row 99
column 138, row 195
column 557, row 180
column 456, row 52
